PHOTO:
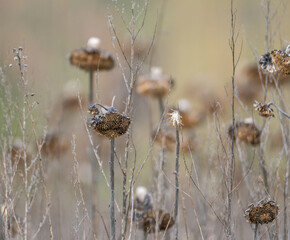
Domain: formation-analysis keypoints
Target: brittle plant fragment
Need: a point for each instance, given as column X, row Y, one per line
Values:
column 92, row 57
column 110, row 124
column 264, row 110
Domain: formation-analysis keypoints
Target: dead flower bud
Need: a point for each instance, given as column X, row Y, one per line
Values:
column 92, row 58
column 175, row 118
column 276, row 61
column 262, row 212
column 264, row 109
column 246, row 131
column 155, row 84
column 111, row 124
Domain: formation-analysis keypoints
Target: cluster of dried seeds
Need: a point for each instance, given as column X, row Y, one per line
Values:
column 264, row 110
column 246, row 131
column 276, row 61
column 262, row 212
column 111, row 124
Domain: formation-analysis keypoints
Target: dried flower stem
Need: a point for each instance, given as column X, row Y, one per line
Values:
column 91, row 88
column 279, row 109
column 176, row 183
column 112, row 188
column 256, row 232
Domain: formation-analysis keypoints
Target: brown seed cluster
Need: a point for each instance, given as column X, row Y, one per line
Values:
column 246, row 131
column 262, row 212
column 264, row 110
column 111, row 124
column 155, row 84
column 91, row 59
column 276, row 61
column 151, row 217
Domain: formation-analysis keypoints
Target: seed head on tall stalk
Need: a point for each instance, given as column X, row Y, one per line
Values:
column 111, row 125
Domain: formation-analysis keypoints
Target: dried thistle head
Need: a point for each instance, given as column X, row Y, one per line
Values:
column 276, row 61
column 111, row 124
column 245, row 131
column 264, row 110
column 175, row 118
column 188, row 117
column 262, row 212
column 92, row 58
column 155, row 84
column 281, row 61
column 142, row 203
column 148, row 223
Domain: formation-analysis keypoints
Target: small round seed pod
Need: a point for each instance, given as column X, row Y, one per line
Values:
column 262, row 212
column 110, row 124
column 155, row 84
column 189, row 118
column 246, row 131
column 264, row 110
column 92, row 58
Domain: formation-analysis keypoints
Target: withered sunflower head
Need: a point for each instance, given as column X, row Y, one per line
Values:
column 262, row 212
column 245, row 131
column 148, row 223
column 281, row 61
column 155, row 84
column 111, row 124
column 264, row 110
column 91, row 57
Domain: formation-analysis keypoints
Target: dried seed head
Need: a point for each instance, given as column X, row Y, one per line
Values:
column 148, row 223
column 94, row 43
column 281, row 61
column 245, row 131
column 154, row 84
column 264, row 109
column 266, row 63
column 262, row 212
column 188, row 117
column 287, row 50
column 55, row 143
column 92, row 58
column 175, row 118
column 111, row 124
column 93, row 110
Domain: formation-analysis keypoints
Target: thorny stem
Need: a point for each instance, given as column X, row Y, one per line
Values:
column 176, row 183
column 112, row 188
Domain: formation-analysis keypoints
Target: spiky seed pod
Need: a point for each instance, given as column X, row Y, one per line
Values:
column 148, row 223
column 155, row 84
column 262, row 212
column 264, row 110
column 281, row 61
column 246, row 131
column 92, row 58
column 111, row 124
